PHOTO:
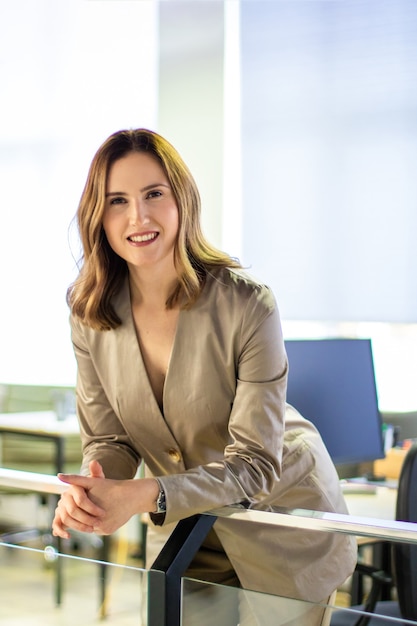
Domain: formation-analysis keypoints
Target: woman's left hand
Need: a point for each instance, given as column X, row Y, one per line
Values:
column 119, row 499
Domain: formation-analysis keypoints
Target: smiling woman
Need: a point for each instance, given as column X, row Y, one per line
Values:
column 182, row 365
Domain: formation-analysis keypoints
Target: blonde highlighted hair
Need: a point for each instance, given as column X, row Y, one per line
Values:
column 101, row 270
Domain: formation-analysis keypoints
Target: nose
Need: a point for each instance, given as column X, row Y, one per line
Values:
column 138, row 213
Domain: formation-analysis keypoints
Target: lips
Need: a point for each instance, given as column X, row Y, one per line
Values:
column 143, row 238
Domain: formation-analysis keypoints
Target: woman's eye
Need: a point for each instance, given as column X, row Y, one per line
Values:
column 117, row 200
column 155, row 193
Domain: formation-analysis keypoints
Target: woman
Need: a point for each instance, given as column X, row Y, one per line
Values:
column 181, row 363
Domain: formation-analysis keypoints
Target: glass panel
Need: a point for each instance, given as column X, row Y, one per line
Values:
column 349, row 617
column 235, row 607
column 135, row 597
column 207, row 604
column 90, row 589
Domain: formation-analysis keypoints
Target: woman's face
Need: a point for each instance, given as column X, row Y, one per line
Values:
column 141, row 216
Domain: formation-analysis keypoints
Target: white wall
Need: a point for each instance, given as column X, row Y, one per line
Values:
column 72, row 72
column 329, row 138
column 191, row 99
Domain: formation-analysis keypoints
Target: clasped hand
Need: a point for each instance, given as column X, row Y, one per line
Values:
column 96, row 504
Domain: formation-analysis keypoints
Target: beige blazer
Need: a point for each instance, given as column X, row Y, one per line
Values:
column 226, row 434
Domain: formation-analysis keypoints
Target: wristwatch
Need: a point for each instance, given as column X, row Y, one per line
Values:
column 161, row 505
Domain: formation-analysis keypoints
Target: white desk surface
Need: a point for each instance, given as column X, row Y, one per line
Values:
column 379, row 505
column 39, row 422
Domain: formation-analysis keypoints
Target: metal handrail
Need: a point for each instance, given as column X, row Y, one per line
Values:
column 31, row 481
column 295, row 518
column 394, row 530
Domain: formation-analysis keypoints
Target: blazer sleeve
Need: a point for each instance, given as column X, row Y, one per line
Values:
column 108, row 443
column 251, row 465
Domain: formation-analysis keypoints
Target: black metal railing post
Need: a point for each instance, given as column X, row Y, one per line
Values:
column 173, row 560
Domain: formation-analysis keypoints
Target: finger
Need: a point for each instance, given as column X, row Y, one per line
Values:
column 76, row 479
column 61, row 530
column 69, row 516
column 96, row 471
column 58, row 530
column 80, row 506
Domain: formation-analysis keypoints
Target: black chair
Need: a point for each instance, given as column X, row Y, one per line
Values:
column 404, row 559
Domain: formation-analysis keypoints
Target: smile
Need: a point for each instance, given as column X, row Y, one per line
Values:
column 141, row 238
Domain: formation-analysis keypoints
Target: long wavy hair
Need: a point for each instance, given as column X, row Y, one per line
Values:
column 101, row 270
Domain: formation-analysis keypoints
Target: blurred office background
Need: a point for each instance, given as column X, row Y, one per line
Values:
column 298, row 119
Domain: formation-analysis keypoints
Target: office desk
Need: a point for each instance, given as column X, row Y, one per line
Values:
column 43, row 425
column 379, row 505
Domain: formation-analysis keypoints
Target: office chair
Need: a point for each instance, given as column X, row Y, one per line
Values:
column 404, row 563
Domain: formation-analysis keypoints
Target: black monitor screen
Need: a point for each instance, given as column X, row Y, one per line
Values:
column 331, row 382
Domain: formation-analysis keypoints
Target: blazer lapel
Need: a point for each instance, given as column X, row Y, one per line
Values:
column 137, row 404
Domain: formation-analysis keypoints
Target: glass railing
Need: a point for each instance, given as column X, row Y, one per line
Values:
column 91, row 589
column 208, row 604
column 43, row 584
column 28, row 597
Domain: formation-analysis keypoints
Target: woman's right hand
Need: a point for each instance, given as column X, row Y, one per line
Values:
column 75, row 510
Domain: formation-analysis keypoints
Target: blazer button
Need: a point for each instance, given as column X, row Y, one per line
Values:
column 175, row 455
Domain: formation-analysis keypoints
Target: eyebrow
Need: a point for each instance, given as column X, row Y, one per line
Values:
column 123, row 193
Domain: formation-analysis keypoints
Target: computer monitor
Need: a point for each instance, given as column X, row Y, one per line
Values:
column 331, row 382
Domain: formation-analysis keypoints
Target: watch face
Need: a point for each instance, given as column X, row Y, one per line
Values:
column 160, row 503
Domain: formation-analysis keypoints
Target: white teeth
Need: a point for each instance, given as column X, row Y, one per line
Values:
column 140, row 238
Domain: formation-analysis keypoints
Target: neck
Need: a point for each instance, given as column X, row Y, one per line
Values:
column 151, row 289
